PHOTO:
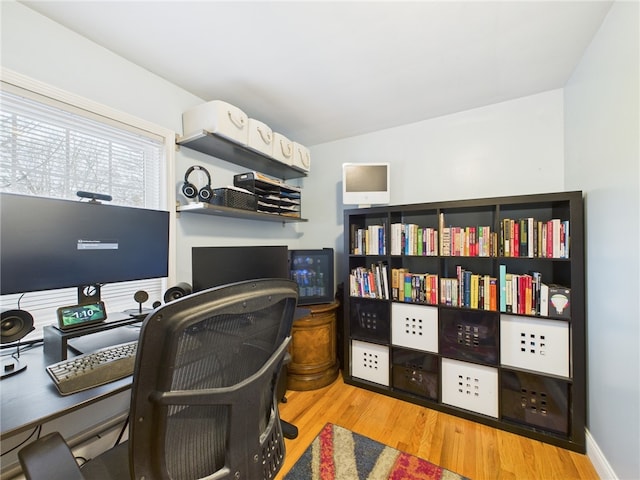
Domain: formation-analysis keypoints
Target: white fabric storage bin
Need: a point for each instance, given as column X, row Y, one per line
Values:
column 537, row 344
column 301, row 157
column 217, row 117
column 470, row 386
column 260, row 137
column 282, row 148
column 414, row 326
column 370, row 362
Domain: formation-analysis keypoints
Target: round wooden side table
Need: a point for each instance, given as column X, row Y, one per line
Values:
column 314, row 362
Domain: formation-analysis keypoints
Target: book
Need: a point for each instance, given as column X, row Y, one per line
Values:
column 502, row 277
column 544, row 300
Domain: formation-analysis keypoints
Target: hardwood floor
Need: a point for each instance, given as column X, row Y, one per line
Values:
column 468, row 448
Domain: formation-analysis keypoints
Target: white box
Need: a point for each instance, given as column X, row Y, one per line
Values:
column 260, row 137
column 470, row 386
column 301, row 157
column 370, row 362
column 541, row 345
column 282, row 148
column 217, row 117
column 414, row 326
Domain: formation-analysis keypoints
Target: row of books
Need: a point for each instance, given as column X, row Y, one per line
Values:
column 471, row 241
column 370, row 282
column 526, row 294
column 524, row 237
column 412, row 239
column 523, row 294
column 414, row 287
column 528, row 237
column 469, row 290
column 368, row 241
column 468, row 241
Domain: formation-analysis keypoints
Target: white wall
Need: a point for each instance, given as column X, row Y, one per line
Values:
column 508, row 148
column 602, row 158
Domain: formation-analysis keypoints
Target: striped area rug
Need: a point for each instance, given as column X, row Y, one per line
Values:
column 340, row 454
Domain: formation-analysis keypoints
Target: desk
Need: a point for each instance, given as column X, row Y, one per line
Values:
column 29, row 398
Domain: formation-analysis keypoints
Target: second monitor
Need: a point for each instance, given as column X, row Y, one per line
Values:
column 311, row 269
column 215, row 266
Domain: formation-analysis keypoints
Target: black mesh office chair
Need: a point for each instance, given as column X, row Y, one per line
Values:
column 203, row 395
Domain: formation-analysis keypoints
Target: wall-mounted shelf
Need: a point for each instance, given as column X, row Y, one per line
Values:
column 209, row 209
column 220, row 147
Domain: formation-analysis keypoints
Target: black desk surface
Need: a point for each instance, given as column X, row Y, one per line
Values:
column 30, row 398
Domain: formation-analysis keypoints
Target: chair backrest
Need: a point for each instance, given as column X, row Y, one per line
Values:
column 203, row 400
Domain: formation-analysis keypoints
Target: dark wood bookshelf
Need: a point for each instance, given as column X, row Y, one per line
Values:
column 522, row 372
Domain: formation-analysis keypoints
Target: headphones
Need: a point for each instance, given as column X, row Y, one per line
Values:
column 191, row 191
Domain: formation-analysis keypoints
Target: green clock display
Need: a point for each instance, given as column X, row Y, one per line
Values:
column 76, row 316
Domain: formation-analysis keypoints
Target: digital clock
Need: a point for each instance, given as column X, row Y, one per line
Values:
column 76, row 316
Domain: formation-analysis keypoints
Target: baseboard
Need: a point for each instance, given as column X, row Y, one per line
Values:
column 598, row 459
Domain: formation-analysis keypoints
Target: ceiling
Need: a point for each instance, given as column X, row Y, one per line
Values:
column 321, row 71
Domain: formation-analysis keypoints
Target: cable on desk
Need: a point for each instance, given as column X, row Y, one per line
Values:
column 124, row 427
column 38, row 429
column 24, row 345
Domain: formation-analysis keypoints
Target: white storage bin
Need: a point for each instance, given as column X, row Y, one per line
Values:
column 370, row 361
column 470, row 386
column 282, row 148
column 540, row 345
column 217, row 117
column 260, row 137
column 414, row 326
column 301, row 157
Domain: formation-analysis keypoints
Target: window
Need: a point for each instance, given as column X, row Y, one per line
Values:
column 53, row 149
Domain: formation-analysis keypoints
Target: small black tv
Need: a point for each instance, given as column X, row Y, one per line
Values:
column 49, row 243
column 313, row 272
column 215, row 266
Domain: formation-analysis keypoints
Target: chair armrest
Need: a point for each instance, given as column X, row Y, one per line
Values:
column 49, row 458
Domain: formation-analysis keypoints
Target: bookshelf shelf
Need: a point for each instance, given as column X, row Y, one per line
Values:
column 487, row 346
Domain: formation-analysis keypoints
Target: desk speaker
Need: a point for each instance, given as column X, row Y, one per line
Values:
column 14, row 325
column 182, row 289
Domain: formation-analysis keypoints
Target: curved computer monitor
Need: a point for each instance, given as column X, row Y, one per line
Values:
column 366, row 184
column 51, row 243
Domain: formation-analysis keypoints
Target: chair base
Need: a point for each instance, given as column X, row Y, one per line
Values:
column 289, row 430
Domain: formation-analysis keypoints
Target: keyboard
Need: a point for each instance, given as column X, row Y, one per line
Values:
column 94, row 368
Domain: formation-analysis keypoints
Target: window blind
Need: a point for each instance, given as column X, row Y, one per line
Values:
column 52, row 149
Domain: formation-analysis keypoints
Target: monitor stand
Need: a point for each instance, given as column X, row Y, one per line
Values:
column 107, row 338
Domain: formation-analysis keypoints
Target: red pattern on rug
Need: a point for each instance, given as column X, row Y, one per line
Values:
column 408, row 467
column 327, row 465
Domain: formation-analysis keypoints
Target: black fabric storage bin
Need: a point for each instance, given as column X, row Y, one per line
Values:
column 415, row 372
column 535, row 400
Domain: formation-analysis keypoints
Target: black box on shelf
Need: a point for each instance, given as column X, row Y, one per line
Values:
column 416, row 372
column 369, row 319
column 535, row 400
column 469, row 335
column 228, row 197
